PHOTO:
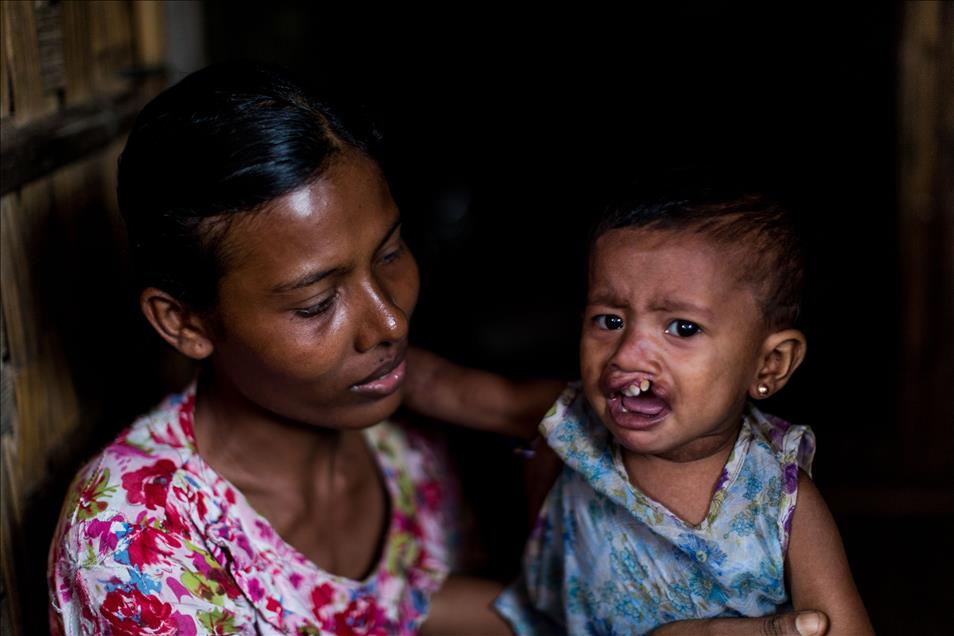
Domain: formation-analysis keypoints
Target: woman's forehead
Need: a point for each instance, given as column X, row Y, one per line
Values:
column 330, row 222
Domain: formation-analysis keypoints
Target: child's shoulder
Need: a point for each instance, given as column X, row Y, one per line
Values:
column 790, row 444
column 570, row 424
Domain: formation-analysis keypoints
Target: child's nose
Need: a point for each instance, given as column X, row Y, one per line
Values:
column 637, row 351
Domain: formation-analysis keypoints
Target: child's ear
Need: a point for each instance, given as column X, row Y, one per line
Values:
column 176, row 323
column 781, row 354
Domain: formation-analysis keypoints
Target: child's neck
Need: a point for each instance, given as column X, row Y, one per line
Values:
column 684, row 480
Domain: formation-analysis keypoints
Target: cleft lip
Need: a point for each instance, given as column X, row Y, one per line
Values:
column 614, row 384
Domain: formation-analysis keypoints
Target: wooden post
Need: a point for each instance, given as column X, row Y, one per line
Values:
column 926, row 230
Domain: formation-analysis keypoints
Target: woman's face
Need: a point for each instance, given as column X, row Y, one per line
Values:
column 313, row 309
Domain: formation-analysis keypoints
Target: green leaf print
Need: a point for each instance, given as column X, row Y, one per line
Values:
column 220, row 621
column 406, row 491
column 91, row 558
column 200, row 585
column 93, row 494
column 404, row 550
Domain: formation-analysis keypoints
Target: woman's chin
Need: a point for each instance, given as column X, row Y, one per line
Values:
column 370, row 411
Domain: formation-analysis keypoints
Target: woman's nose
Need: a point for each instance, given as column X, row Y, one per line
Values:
column 382, row 322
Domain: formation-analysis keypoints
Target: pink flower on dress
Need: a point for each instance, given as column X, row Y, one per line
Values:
column 149, row 484
column 103, row 530
column 322, row 596
column 186, row 410
column 149, row 546
column 431, row 494
column 362, row 617
column 132, row 612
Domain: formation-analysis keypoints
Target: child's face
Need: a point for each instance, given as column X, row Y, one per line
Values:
column 668, row 307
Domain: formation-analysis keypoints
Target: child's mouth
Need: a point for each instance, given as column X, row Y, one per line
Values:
column 636, row 406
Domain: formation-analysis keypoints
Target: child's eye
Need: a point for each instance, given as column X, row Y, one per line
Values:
column 608, row 322
column 683, row 328
column 317, row 309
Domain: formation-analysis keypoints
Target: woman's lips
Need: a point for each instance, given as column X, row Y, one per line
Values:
column 389, row 381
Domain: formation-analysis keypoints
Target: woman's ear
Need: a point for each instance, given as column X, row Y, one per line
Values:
column 781, row 354
column 176, row 323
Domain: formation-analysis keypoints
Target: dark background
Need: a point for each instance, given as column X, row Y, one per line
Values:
column 508, row 129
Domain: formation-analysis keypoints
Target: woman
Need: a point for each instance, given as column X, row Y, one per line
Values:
column 259, row 500
column 272, row 496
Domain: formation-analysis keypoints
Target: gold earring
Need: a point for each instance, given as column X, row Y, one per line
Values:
column 763, row 390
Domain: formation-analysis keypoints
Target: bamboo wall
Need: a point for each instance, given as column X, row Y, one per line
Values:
column 73, row 76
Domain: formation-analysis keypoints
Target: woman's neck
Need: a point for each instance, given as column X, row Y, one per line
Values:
column 319, row 488
column 261, row 452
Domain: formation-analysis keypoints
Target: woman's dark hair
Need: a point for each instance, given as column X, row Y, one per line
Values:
column 757, row 233
column 225, row 140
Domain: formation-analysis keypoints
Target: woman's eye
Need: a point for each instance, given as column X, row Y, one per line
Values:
column 683, row 328
column 316, row 310
column 393, row 255
column 608, row 322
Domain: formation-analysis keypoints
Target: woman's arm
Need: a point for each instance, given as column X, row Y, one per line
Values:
column 807, row 623
column 439, row 389
column 818, row 573
column 464, row 606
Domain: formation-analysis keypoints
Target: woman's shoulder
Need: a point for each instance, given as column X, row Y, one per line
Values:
column 419, row 451
column 133, row 481
column 426, row 497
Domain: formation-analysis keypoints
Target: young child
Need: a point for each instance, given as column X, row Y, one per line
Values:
column 679, row 498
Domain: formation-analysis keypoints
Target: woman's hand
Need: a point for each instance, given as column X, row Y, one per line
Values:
column 804, row 623
column 439, row 389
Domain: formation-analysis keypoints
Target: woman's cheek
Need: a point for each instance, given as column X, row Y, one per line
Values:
column 409, row 281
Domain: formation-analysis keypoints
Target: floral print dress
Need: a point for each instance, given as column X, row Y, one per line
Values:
column 604, row 558
column 153, row 541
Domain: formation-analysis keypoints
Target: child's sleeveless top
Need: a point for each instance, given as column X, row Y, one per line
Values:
column 153, row 541
column 604, row 558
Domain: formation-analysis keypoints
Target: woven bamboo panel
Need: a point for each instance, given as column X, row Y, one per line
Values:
column 77, row 52
column 62, row 273
column 112, row 44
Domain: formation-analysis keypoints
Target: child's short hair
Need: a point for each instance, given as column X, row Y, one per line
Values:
column 759, row 232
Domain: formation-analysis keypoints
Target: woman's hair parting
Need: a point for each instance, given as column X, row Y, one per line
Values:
column 756, row 231
column 224, row 141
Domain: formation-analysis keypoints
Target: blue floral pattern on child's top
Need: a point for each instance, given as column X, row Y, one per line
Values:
column 604, row 558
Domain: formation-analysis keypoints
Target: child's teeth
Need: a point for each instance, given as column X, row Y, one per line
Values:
column 644, row 385
column 631, row 391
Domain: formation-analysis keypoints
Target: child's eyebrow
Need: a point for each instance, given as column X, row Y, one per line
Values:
column 604, row 297
column 670, row 304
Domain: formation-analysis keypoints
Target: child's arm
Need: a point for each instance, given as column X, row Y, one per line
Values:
column 442, row 390
column 816, row 566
